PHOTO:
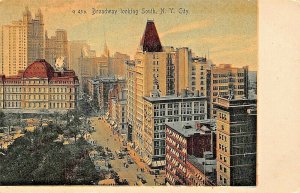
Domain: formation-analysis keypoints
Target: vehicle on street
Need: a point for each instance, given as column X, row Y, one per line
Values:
column 110, row 154
column 120, row 156
column 141, row 178
column 129, row 160
column 154, row 172
column 123, row 182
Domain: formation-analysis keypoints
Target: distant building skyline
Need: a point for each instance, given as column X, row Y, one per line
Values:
column 21, row 42
column 225, row 32
column 57, row 49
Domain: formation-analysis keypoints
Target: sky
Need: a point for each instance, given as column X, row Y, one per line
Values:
column 227, row 30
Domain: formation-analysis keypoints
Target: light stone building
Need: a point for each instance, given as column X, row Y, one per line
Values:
column 21, row 43
column 168, row 71
column 227, row 80
column 161, row 110
column 39, row 88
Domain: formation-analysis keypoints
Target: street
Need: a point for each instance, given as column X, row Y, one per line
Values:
column 103, row 136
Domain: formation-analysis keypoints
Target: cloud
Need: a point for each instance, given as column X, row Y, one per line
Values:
column 187, row 27
column 236, row 49
column 57, row 13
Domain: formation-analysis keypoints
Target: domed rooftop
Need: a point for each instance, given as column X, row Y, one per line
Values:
column 40, row 69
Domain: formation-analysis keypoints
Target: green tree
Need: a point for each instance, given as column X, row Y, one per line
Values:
column 2, row 119
column 39, row 158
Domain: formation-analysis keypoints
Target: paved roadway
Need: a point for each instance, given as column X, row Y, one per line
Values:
column 104, row 137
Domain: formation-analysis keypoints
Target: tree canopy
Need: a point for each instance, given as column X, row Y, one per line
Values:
column 39, row 158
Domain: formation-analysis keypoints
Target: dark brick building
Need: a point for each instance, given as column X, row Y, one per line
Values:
column 183, row 140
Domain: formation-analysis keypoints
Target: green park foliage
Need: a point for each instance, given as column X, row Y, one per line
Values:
column 39, row 158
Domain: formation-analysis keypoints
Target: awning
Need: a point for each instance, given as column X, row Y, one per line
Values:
column 158, row 163
column 147, row 160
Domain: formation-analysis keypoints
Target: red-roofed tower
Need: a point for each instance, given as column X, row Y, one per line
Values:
column 150, row 41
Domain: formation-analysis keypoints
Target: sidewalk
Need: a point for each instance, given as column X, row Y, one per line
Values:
column 134, row 156
column 137, row 159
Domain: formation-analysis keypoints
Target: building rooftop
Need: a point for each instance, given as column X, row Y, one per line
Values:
column 93, row 81
column 172, row 98
column 41, row 69
column 206, row 166
column 150, row 41
column 189, row 128
column 200, row 59
column 229, row 102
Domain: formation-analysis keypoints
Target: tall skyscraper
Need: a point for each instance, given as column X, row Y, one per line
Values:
column 36, row 42
column 236, row 141
column 155, row 73
column 200, row 79
column 227, row 80
column 118, row 66
column 21, row 43
column 77, row 49
column 57, row 48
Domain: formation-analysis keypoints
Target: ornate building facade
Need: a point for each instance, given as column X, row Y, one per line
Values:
column 39, row 88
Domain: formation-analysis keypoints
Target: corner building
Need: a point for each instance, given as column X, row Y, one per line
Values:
column 188, row 153
column 39, row 88
column 168, row 109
